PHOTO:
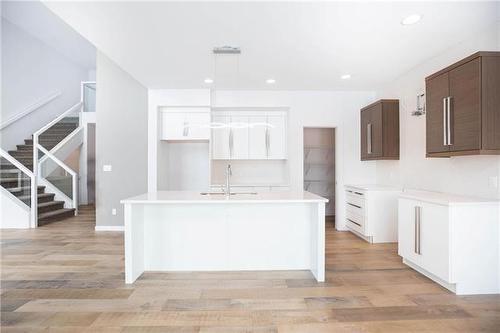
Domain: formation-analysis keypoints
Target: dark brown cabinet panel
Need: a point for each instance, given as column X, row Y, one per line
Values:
column 463, row 107
column 380, row 131
column 437, row 92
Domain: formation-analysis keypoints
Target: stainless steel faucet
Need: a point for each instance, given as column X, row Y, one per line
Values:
column 229, row 173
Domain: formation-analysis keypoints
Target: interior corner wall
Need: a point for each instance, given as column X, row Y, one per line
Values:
column 31, row 71
column 121, row 140
column 463, row 175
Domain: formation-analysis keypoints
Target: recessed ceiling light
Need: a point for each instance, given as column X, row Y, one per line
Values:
column 412, row 19
column 209, row 80
column 345, row 76
column 270, row 81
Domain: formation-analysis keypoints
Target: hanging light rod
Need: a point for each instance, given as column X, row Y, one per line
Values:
column 227, row 50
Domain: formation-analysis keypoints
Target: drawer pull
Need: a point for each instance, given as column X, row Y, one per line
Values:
column 356, row 223
column 358, row 193
column 354, row 205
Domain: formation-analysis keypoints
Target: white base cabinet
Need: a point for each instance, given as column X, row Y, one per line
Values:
column 452, row 240
column 371, row 212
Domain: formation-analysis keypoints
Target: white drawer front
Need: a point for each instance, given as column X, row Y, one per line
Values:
column 355, row 200
column 355, row 208
column 355, row 222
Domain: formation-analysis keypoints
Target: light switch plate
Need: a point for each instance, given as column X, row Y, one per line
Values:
column 107, row 168
column 113, row 211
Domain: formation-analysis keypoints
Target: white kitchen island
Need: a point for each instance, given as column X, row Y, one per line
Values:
column 188, row 231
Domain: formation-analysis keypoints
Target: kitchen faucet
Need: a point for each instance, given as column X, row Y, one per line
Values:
column 229, row 173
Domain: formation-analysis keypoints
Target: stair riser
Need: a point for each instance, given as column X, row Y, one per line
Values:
column 14, row 183
column 42, row 199
column 26, row 192
column 56, row 218
column 50, row 208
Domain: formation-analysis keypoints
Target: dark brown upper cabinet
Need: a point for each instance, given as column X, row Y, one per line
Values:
column 380, row 130
column 463, row 107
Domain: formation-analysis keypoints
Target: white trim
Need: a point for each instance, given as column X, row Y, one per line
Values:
column 110, row 228
column 29, row 109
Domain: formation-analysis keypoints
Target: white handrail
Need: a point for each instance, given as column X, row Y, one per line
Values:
column 34, row 189
column 30, row 108
column 37, row 146
column 53, row 122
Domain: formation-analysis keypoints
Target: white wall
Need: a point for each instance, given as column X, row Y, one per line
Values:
column 470, row 175
column 307, row 108
column 121, row 140
column 31, row 70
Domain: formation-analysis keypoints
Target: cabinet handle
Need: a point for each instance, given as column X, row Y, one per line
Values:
column 418, row 216
column 445, row 121
column 369, row 138
column 231, row 143
column 359, row 225
column 267, row 141
column 186, row 129
column 353, row 205
column 448, row 122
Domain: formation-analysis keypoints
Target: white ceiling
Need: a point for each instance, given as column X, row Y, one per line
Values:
column 302, row 45
column 34, row 18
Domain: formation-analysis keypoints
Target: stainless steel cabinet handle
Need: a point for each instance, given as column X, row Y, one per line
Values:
column 369, row 138
column 445, row 120
column 231, row 143
column 448, row 122
column 417, row 221
column 267, row 141
column 359, row 225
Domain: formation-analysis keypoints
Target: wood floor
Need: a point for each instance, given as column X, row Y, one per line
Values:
column 65, row 277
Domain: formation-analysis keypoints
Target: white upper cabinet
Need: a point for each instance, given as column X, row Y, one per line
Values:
column 276, row 138
column 249, row 135
column 238, row 138
column 185, row 123
column 257, row 149
column 220, row 138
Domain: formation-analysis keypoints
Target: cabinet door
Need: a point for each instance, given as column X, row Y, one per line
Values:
column 365, row 120
column 435, row 240
column 238, row 138
column 197, row 126
column 173, row 126
column 376, row 132
column 465, row 110
column 437, row 89
column 407, row 237
column 276, row 137
column 220, row 138
column 257, row 148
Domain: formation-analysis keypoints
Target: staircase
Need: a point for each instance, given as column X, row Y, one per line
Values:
column 49, row 210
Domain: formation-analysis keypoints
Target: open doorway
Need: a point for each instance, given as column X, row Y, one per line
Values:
column 319, row 166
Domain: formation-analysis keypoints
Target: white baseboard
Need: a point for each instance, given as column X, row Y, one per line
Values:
column 109, row 228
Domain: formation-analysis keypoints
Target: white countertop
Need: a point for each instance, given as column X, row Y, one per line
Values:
column 175, row 197
column 373, row 187
column 445, row 198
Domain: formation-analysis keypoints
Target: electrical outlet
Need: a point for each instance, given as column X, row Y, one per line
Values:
column 493, row 181
column 107, row 168
column 113, row 211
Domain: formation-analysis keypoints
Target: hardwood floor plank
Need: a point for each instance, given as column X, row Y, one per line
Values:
column 65, row 277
